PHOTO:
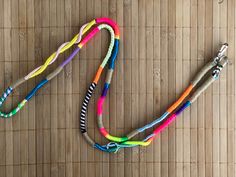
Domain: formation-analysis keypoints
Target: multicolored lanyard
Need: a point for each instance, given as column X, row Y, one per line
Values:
column 90, row 29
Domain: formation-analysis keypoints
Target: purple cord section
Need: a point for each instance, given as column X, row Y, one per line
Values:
column 70, row 57
column 182, row 108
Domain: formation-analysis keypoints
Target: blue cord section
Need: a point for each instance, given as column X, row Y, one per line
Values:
column 183, row 107
column 114, row 54
column 156, row 121
column 105, row 89
column 35, row 89
column 104, row 148
column 149, row 136
column 5, row 95
column 160, row 119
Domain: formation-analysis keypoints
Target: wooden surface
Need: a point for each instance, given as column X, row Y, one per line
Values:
column 163, row 44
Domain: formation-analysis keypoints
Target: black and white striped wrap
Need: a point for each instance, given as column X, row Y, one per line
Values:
column 83, row 121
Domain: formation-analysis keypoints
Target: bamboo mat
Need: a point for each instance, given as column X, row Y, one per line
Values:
column 163, row 44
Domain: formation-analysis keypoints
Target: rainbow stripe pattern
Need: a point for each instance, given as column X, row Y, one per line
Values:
column 87, row 32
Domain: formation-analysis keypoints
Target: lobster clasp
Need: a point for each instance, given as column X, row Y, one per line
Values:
column 220, row 65
column 221, row 52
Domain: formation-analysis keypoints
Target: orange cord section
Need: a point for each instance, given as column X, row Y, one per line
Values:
column 98, row 74
column 181, row 99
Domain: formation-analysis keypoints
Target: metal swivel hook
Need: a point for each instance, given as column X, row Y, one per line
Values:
column 221, row 52
column 220, row 65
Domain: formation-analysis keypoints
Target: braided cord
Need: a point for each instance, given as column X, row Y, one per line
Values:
column 63, row 49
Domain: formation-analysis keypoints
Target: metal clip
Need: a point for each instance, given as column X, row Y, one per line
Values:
column 220, row 65
column 221, row 52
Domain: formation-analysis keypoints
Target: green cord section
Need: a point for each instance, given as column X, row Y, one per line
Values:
column 117, row 139
column 14, row 111
column 111, row 45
